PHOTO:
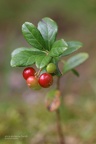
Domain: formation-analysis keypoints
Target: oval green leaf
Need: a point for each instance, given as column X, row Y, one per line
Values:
column 74, row 62
column 42, row 60
column 72, row 47
column 58, row 48
column 22, row 57
column 48, row 29
column 33, row 36
column 75, row 72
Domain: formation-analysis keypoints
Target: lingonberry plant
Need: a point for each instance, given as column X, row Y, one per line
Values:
column 45, row 53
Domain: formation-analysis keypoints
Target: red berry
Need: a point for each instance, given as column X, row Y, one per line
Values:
column 45, row 80
column 28, row 72
column 32, row 82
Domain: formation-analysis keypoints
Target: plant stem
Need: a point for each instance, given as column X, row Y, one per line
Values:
column 59, row 127
column 38, row 73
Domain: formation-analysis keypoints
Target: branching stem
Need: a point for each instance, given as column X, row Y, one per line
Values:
column 38, row 73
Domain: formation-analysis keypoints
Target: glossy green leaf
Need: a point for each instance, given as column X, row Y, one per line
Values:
column 42, row 60
column 48, row 29
column 74, row 61
column 33, row 36
column 72, row 47
column 58, row 48
column 24, row 56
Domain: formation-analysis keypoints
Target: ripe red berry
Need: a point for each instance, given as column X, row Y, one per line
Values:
column 29, row 71
column 45, row 80
column 32, row 82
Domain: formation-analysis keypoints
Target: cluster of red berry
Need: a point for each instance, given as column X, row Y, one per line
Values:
column 36, row 80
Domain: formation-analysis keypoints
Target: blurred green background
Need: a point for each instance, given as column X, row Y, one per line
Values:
column 22, row 111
